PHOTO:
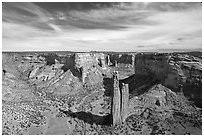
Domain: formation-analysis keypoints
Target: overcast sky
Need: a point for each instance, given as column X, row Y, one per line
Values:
column 102, row 26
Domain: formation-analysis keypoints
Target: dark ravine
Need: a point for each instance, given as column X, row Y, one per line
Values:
column 75, row 92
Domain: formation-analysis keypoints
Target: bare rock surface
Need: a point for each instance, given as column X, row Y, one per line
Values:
column 71, row 94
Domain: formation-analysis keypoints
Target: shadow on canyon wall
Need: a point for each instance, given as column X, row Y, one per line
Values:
column 108, row 85
column 124, row 58
column 69, row 63
column 138, row 84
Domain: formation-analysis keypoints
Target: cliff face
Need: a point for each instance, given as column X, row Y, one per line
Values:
column 90, row 59
column 121, row 58
column 49, row 69
column 181, row 73
column 154, row 63
column 92, row 66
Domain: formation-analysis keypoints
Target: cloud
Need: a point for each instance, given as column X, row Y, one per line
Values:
column 112, row 27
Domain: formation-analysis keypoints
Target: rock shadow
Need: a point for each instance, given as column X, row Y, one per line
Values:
column 69, row 64
column 193, row 91
column 50, row 58
column 120, row 58
column 108, row 85
column 139, row 84
column 68, row 61
column 89, row 117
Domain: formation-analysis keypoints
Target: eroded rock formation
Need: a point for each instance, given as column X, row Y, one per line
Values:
column 116, row 107
column 91, row 62
column 120, row 101
column 124, row 102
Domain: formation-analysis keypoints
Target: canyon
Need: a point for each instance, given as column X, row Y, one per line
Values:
column 101, row 93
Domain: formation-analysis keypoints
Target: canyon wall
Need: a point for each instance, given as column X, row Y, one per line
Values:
column 180, row 73
column 93, row 66
column 121, row 58
column 154, row 63
column 58, row 72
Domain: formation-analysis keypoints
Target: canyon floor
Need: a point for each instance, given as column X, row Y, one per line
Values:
column 65, row 94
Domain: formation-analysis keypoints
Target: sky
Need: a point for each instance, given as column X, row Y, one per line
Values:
column 89, row 26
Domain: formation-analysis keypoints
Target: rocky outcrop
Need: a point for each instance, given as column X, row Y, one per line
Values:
column 116, row 106
column 93, row 65
column 169, row 112
column 124, row 102
column 133, row 59
column 120, row 101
